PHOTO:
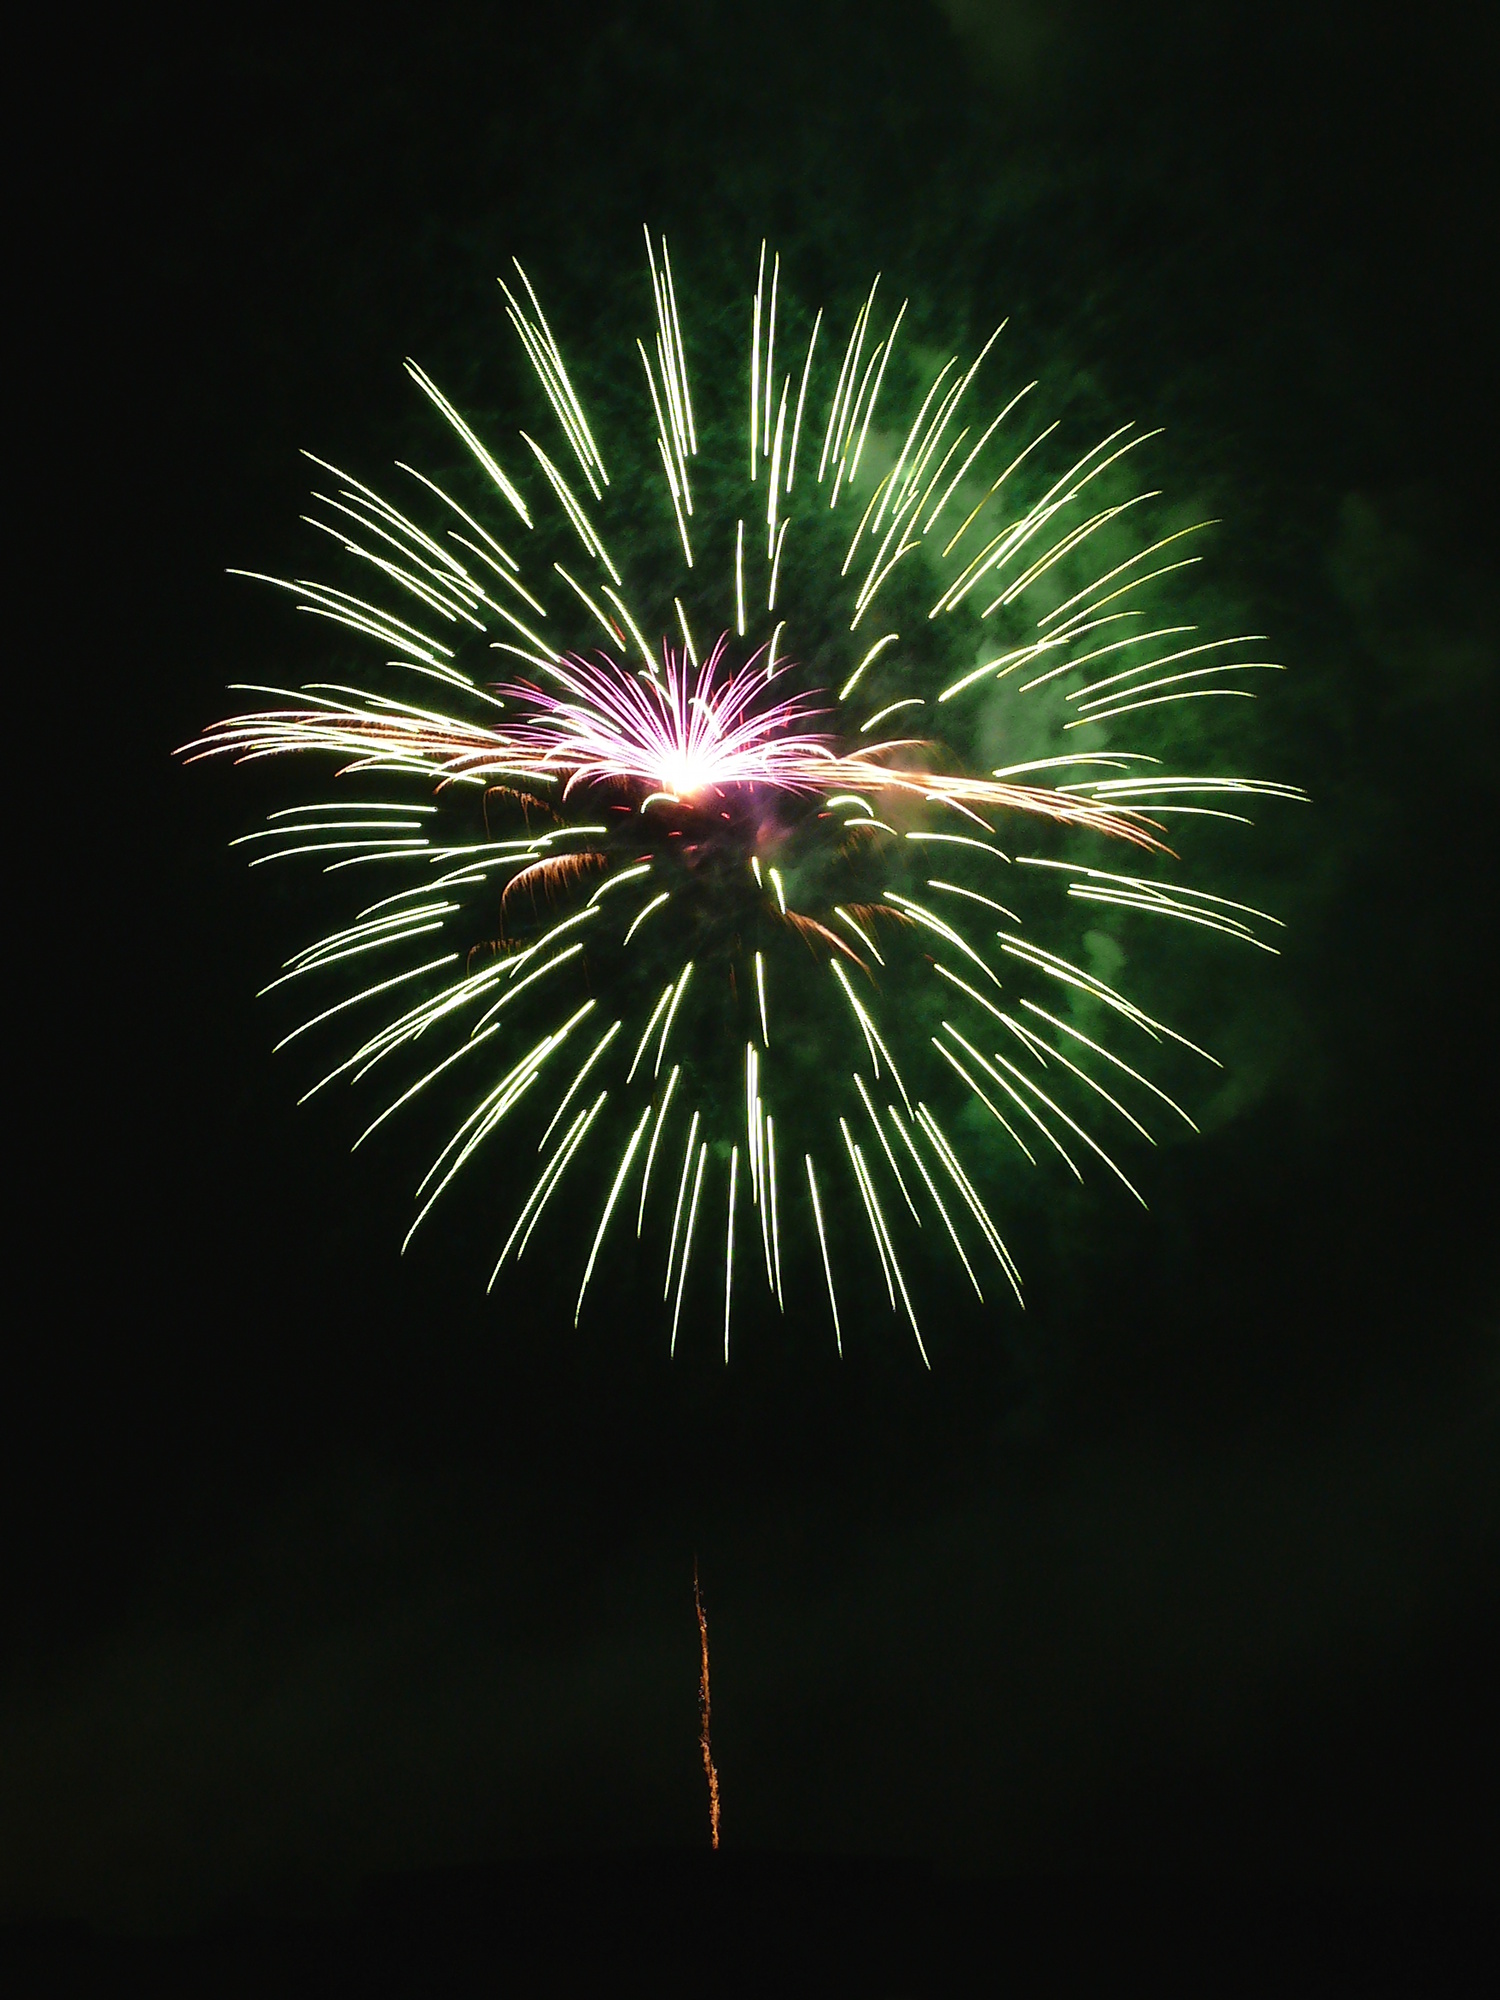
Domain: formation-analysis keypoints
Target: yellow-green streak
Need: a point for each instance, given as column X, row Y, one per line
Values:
column 1066, row 544
column 850, row 363
column 1150, row 888
column 864, row 937
column 895, row 1261
column 687, row 1246
column 901, row 516
column 549, row 1042
column 355, row 951
column 1071, row 632
column 857, row 1168
column 687, row 1164
column 964, row 987
column 635, row 631
column 687, row 547
column 687, row 637
column 682, row 374
column 435, row 395
column 369, row 993
column 773, row 484
column 770, row 374
column 911, row 701
column 962, row 840
column 560, row 1166
column 656, row 1013
column 833, row 1304
column 655, row 904
column 754, row 1140
column 448, row 500
column 1072, row 1124
column 763, row 1170
column 940, row 929
column 870, row 505
column 666, row 1026
column 1071, row 975
column 966, row 1188
column 1015, row 1096
column 662, row 1112
column 1160, row 906
column 588, row 1063
column 953, row 541
column 760, row 279
column 775, row 1222
column 775, row 573
column 574, row 1133
column 791, row 462
column 845, row 403
column 587, row 534
column 937, row 1199
column 873, row 1037
column 564, row 957
column 958, row 476
column 1109, row 1057
column 415, row 1021
column 615, row 881
column 989, row 1105
column 874, row 1116
column 1034, row 1044
column 609, row 1206
column 1141, row 555
column 734, row 1175
column 495, row 1107
column 606, row 623
column 973, row 896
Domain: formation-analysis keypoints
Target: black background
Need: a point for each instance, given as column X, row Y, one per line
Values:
column 319, row 1567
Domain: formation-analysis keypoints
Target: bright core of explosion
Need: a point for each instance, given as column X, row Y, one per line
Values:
column 684, row 776
column 678, row 731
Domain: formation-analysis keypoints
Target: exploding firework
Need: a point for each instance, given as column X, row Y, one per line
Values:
column 750, row 947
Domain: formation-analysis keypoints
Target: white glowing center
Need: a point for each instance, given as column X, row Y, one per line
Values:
column 682, row 775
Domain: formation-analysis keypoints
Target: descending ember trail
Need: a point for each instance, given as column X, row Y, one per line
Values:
column 704, row 1743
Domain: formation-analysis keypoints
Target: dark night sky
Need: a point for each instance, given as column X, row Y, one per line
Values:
column 318, row 1564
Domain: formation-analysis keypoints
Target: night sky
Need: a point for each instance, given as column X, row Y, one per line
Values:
column 320, row 1568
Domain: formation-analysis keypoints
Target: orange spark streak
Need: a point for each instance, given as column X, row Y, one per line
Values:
column 557, row 869
column 708, row 1756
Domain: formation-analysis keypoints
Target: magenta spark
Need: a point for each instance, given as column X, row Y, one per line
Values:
column 679, row 734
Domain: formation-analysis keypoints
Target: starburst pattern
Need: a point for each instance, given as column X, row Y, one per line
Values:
column 741, row 949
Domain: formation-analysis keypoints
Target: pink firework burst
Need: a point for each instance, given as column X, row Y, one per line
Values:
column 679, row 735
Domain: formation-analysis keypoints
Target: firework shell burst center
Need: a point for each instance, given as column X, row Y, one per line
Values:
column 773, row 979
column 680, row 735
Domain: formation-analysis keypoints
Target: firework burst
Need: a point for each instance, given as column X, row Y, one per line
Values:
column 746, row 956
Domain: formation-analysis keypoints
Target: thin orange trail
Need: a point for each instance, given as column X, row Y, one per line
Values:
column 708, row 1757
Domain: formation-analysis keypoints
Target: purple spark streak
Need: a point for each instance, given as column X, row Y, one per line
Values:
column 679, row 735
